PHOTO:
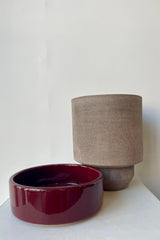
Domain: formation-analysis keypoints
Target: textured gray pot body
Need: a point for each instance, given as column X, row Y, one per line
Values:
column 107, row 130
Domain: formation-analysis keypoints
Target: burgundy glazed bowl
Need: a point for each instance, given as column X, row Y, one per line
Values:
column 56, row 194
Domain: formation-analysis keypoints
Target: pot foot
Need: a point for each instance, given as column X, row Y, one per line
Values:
column 115, row 179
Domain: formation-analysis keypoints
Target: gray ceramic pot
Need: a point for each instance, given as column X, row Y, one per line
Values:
column 107, row 134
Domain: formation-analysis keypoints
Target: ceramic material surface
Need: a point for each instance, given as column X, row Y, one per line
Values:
column 107, row 133
column 117, row 178
column 56, row 194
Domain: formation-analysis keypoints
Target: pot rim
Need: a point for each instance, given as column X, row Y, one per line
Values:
column 85, row 184
column 108, row 95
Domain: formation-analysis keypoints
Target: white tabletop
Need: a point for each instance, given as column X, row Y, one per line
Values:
column 133, row 213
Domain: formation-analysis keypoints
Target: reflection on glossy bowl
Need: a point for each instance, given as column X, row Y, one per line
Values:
column 56, row 194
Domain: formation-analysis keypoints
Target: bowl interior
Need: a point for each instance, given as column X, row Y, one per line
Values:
column 59, row 175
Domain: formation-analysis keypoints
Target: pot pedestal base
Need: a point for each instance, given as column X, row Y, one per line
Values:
column 117, row 178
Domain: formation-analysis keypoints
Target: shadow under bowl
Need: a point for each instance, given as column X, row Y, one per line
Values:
column 56, row 194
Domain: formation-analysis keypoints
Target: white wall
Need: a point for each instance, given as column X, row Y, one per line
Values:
column 53, row 50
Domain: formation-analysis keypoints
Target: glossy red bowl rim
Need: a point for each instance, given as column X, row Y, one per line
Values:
column 100, row 176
